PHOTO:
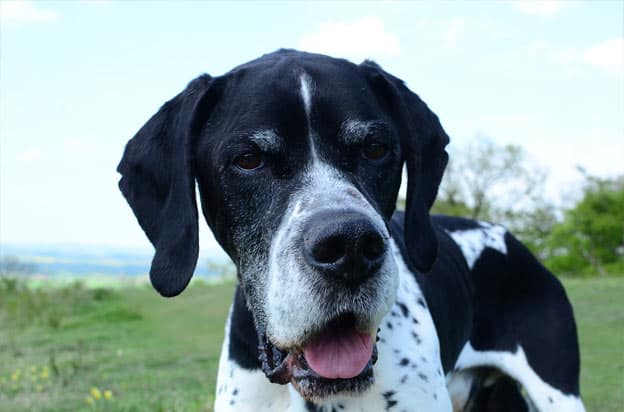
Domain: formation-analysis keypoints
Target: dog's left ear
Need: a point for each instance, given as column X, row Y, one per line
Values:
column 158, row 182
column 422, row 141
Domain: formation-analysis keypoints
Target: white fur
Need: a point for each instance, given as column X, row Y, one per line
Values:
column 545, row 397
column 459, row 385
column 267, row 140
column 306, row 89
column 473, row 241
column 356, row 131
column 242, row 390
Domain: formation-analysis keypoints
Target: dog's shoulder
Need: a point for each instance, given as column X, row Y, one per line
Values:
column 518, row 304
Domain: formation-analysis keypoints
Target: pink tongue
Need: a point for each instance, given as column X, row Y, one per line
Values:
column 339, row 356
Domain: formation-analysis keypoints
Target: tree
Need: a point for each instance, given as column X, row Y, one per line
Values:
column 498, row 183
column 488, row 178
column 591, row 235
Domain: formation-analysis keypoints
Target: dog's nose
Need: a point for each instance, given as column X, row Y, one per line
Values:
column 344, row 245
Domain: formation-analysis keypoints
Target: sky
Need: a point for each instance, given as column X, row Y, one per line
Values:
column 79, row 78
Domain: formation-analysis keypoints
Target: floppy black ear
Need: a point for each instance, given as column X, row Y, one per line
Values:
column 159, row 184
column 422, row 141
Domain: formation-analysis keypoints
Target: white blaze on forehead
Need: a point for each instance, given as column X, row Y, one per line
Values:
column 306, row 93
column 267, row 140
column 306, row 90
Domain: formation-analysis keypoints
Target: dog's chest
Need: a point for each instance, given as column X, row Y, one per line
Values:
column 408, row 373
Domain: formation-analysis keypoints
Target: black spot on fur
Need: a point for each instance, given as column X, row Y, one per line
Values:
column 404, row 362
column 404, row 379
column 388, row 395
column 422, row 303
column 311, row 407
column 389, row 325
column 389, row 402
column 403, row 308
column 423, row 377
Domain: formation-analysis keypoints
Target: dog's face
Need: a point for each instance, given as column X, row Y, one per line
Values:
column 298, row 160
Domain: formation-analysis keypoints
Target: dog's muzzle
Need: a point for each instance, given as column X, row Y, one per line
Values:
column 343, row 252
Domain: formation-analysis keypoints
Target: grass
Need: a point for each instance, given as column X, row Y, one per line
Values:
column 599, row 311
column 151, row 353
column 68, row 348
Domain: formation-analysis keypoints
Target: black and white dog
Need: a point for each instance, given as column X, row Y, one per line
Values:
column 342, row 303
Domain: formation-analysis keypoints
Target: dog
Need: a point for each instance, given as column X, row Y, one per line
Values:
column 342, row 302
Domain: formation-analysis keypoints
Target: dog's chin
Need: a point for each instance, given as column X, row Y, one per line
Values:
column 290, row 365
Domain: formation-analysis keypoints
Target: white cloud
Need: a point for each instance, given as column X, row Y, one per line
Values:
column 31, row 155
column 540, row 7
column 19, row 12
column 97, row 3
column 79, row 146
column 454, row 29
column 608, row 55
column 357, row 39
column 565, row 56
column 536, row 48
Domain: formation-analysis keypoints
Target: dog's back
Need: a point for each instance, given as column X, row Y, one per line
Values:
column 522, row 322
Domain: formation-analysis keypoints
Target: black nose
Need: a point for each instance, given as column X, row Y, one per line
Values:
column 343, row 245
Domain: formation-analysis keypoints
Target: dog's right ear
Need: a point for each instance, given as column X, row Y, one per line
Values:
column 159, row 184
column 422, row 141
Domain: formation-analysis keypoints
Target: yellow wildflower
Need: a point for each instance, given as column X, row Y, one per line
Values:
column 33, row 369
column 45, row 373
column 39, row 388
column 108, row 395
column 95, row 392
column 14, row 376
column 89, row 400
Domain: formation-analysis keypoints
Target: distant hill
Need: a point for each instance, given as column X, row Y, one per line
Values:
column 88, row 260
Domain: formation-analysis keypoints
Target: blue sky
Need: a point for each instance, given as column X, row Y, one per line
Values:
column 78, row 79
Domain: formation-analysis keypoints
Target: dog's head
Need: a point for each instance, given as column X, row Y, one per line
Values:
column 298, row 159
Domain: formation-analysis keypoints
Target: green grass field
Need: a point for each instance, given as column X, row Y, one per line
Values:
column 70, row 348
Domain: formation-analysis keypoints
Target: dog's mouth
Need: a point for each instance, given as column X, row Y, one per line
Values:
column 338, row 358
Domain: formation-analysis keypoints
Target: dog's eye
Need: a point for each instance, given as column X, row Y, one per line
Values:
column 249, row 161
column 374, row 151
